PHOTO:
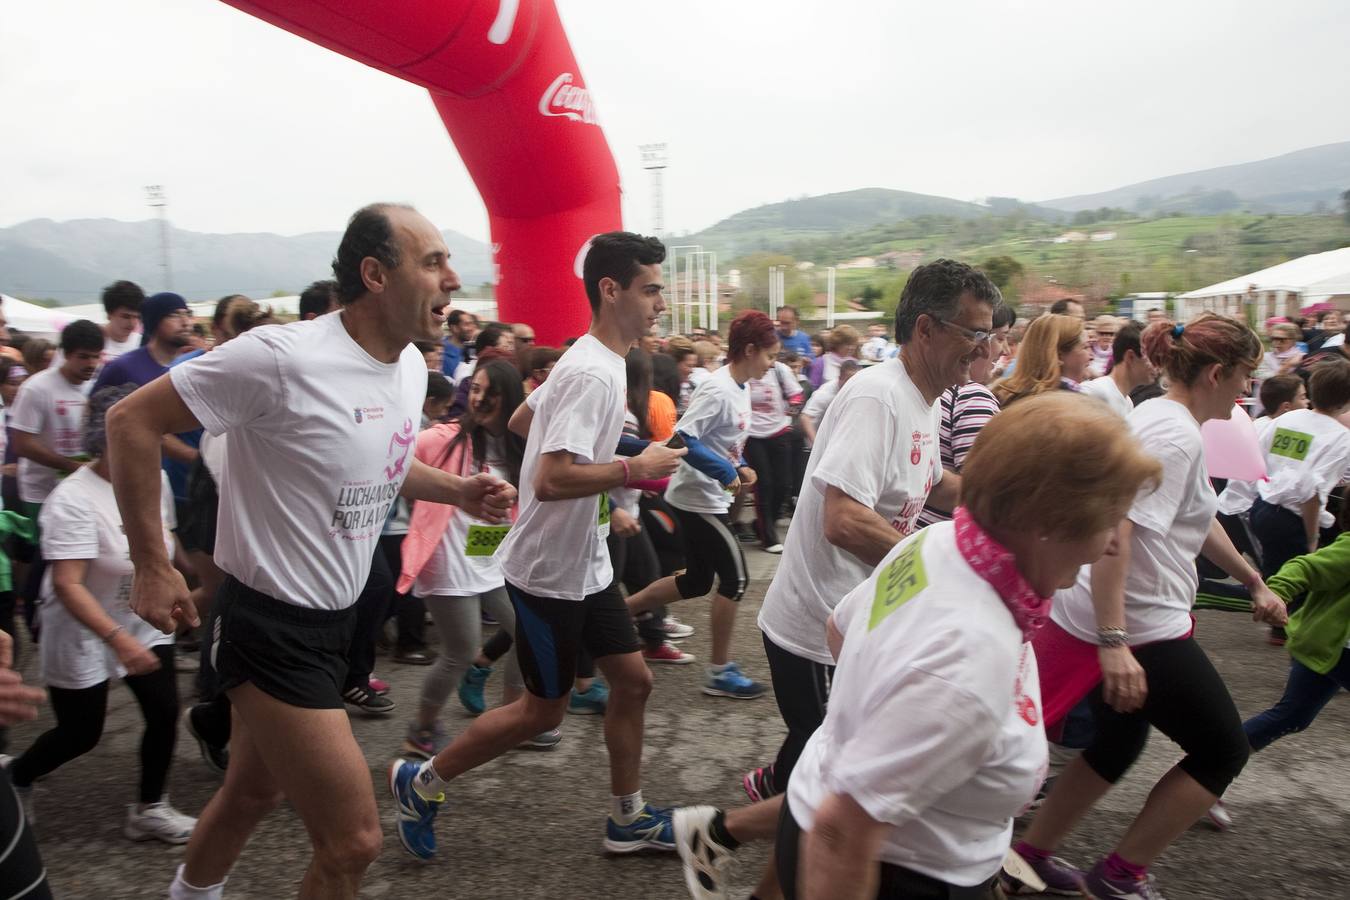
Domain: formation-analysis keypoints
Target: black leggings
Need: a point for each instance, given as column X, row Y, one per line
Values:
column 636, row 566
column 771, row 458
column 21, row 871
column 1188, row 702
column 79, row 725
column 712, row 552
column 371, row 606
column 802, row 688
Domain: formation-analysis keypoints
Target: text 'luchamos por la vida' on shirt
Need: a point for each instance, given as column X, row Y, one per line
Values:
column 361, row 507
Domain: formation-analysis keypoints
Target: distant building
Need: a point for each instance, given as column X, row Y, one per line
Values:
column 1103, row 236
column 861, row 262
column 900, row 259
column 1071, row 237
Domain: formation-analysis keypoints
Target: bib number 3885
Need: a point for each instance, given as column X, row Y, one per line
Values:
column 484, row 540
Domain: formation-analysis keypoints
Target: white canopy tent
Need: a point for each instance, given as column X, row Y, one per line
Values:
column 1280, row 290
column 33, row 319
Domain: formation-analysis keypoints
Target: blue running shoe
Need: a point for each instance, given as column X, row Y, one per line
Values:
column 591, row 702
column 653, row 829
column 731, row 682
column 416, row 814
column 471, row 689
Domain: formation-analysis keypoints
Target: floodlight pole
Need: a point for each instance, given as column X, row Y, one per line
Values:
column 829, row 297
column 154, row 195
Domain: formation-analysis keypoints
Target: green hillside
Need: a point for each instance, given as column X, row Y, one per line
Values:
column 1172, row 254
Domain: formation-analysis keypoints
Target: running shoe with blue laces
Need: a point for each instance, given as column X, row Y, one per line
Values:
column 653, row 829
column 471, row 688
column 416, row 814
column 732, row 682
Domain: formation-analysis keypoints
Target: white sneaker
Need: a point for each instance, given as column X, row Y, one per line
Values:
column 675, row 629
column 775, row 549
column 705, row 860
column 158, row 822
column 1219, row 816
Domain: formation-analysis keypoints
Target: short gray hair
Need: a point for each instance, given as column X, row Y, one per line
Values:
column 934, row 289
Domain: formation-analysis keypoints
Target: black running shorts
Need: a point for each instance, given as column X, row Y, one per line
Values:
column 550, row 632
column 295, row 654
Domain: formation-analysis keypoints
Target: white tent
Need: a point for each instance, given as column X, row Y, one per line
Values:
column 33, row 319
column 1279, row 290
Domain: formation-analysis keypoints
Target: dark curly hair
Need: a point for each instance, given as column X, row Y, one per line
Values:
column 122, row 295
column 935, row 290
column 368, row 234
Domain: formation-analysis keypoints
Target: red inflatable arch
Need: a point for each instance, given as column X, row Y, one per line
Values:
column 503, row 77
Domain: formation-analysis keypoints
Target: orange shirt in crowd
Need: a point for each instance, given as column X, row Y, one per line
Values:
column 660, row 416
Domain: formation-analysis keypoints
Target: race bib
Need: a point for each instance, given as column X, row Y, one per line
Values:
column 902, row 579
column 1291, row 444
column 602, row 521
column 484, row 540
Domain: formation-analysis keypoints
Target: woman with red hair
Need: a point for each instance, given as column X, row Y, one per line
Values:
column 715, row 428
column 1124, row 632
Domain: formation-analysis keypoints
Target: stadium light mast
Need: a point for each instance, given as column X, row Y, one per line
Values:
column 654, row 159
column 154, row 195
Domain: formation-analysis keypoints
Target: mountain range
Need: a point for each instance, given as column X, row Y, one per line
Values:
column 1304, row 181
column 71, row 261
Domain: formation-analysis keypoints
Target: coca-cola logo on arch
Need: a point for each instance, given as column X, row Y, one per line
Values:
column 568, row 100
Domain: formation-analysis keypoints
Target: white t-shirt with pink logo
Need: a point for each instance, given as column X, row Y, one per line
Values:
column 877, row 443
column 321, row 438
column 52, row 408
column 719, row 418
column 770, row 397
column 934, row 724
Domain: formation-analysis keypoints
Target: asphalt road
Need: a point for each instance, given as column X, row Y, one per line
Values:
column 530, row 825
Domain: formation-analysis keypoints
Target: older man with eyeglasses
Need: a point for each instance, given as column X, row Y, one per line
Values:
column 873, row 466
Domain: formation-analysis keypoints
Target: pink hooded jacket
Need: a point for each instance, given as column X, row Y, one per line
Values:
column 429, row 520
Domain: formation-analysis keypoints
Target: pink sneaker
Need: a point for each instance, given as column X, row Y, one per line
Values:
column 378, row 686
column 667, row 653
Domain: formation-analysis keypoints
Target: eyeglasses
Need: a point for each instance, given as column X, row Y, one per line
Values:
column 524, row 340
column 978, row 337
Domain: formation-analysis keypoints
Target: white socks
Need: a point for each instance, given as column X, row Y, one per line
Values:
column 624, row 809
column 181, row 890
column 429, row 785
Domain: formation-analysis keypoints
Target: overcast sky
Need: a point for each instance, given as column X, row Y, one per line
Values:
column 252, row 129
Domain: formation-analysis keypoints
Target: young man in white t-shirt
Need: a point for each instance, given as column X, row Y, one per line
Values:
column 874, row 465
column 556, row 561
column 322, row 421
column 48, row 414
column 1307, row 455
column 1129, row 370
column 122, row 302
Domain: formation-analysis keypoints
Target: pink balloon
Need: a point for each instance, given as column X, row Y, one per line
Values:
column 1232, row 449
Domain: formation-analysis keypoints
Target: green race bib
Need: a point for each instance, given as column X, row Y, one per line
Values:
column 899, row 582
column 1291, row 444
column 603, row 520
column 485, row 539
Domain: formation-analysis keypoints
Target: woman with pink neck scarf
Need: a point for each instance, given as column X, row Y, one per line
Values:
column 933, row 738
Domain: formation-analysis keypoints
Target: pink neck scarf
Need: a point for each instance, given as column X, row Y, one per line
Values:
column 995, row 564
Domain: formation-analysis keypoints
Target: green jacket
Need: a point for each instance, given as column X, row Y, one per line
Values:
column 1319, row 630
column 13, row 523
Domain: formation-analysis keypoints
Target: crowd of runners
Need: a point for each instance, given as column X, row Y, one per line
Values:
column 988, row 532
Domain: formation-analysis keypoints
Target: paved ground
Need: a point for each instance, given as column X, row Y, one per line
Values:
column 530, row 825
